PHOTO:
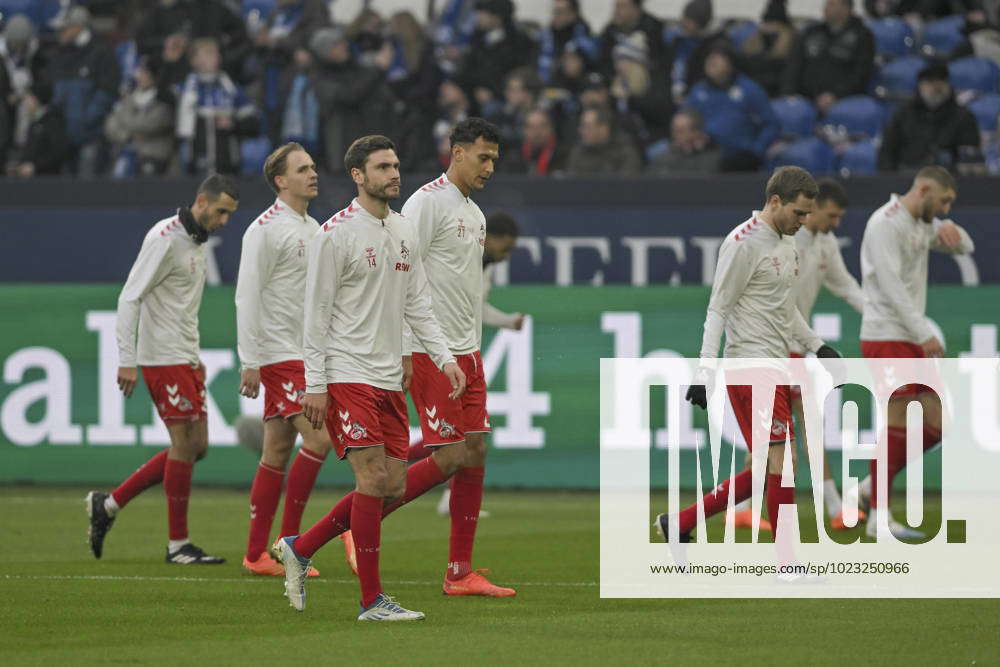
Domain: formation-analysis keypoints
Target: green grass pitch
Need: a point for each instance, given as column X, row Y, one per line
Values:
column 61, row 607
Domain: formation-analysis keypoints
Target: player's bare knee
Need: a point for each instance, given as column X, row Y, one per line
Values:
column 775, row 458
column 449, row 458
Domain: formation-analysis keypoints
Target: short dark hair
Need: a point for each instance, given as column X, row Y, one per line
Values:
column 831, row 190
column 358, row 153
column 470, row 129
column 217, row 185
column 501, row 223
column 790, row 182
column 277, row 162
column 939, row 175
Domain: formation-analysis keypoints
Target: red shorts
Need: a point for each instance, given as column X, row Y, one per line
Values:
column 893, row 349
column 444, row 421
column 796, row 389
column 284, row 385
column 361, row 415
column 740, row 397
column 178, row 391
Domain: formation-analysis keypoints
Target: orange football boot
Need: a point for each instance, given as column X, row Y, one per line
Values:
column 474, row 583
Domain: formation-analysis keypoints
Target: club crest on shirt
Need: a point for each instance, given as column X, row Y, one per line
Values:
column 370, row 256
column 404, row 252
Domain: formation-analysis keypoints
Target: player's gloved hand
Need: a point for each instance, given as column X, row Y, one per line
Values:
column 696, row 395
column 827, row 352
column 834, row 364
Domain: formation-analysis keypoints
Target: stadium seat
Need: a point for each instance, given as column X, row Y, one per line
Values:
column 812, row 154
column 943, row 36
column 265, row 7
column 740, row 32
column 860, row 157
column 856, row 116
column 978, row 74
column 796, row 114
column 893, row 37
column 986, row 108
column 253, row 153
column 898, row 79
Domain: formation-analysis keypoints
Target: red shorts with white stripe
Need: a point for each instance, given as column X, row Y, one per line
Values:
column 740, row 397
column 893, row 349
column 178, row 391
column 360, row 415
column 284, row 386
column 445, row 421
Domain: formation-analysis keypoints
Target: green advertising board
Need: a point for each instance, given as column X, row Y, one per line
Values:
column 63, row 421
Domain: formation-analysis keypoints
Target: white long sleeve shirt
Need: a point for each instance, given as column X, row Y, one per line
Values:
column 894, row 254
column 752, row 297
column 492, row 315
column 821, row 264
column 363, row 278
column 161, row 299
column 451, row 233
column 271, row 285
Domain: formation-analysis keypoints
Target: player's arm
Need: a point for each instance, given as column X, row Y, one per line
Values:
column 417, row 313
column 495, row 317
column 419, row 211
column 150, row 268
column 322, row 278
column 842, row 284
column 951, row 238
column 887, row 264
column 801, row 331
column 256, row 266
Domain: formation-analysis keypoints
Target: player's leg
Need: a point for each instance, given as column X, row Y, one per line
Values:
column 743, row 512
column 279, row 439
column 302, row 475
column 832, row 502
column 188, row 444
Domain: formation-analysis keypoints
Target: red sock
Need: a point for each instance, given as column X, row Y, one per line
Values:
column 895, row 461
column 334, row 523
column 177, row 486
column 778, row 495
column 264, row 496
column 148, row 474
column 466, row 498
column 419, row 451
column 421, row 477
column 301, row 479
column 716, row 500
column 366, row 527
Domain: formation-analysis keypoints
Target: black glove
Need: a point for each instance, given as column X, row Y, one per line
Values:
column 696, row 396
column 837, row 369
column 827, row 352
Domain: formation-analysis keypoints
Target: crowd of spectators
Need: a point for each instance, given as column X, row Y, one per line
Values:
column 153, row 87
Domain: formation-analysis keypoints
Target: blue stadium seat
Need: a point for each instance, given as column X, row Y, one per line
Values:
column 740, row 32
column 857, row 116
column 39, row 11
column 253, row 153
column 796, row 114
column 986, row 108
column 893, row 37
column 812, row 154
column 978, row 74
column 859, row 158
column 265, row 7
column 898, row 79
column 943, row 36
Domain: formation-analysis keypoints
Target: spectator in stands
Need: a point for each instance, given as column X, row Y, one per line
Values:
column 926, row 10
column 354, row 99
column 287, row 30
column 932, row 129
column 453, row 106
column 520, row 96
column 764, row 55
column 832, row 59
column 498, row 46
column 300, row 116
column 213, row 114
column 44, row 148
column 737, row 112
column 541, row 153
column 631, row 25
column 600, row 151
column 419, row 83
column 697, row 39
column 367, row 38
column 170, row 25
column 640, row 93
column 21, row 64
column 141, row 127
column 568, row 35
column 692, row 151
column 85, row 78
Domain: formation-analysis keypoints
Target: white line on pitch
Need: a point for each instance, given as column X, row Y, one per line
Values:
column 249, row 579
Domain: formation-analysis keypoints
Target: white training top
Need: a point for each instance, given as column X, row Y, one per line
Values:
column 161, row 298
column 452, row 238
column 363, row 279
column 492, row 315
column 271, row 285
column 822, row 265
column 894, row 254
column 752, row 296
